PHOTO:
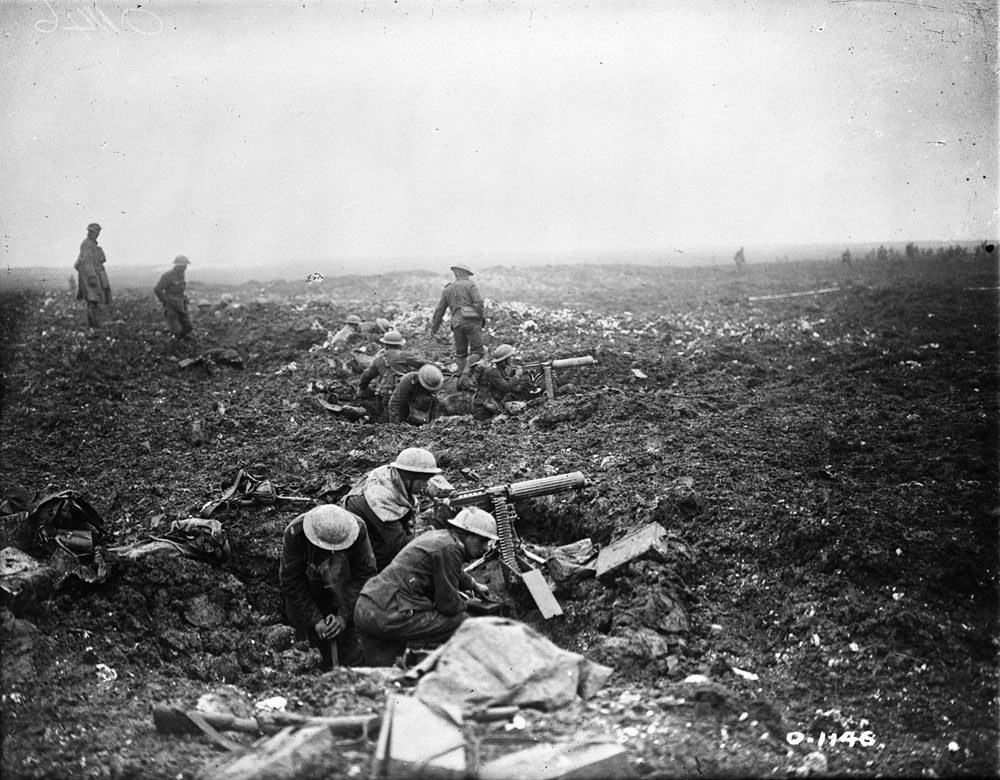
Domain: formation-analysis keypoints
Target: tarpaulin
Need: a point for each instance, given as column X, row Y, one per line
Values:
column 495, row 661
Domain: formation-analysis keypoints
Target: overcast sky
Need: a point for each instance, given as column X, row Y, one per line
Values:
column 246, row 132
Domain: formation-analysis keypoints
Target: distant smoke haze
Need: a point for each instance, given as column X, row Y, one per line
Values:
column 253, row 134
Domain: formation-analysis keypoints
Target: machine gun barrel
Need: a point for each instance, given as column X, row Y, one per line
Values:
column 517, row 491
column 544, row 486
column 546, row 368
column 585, row 360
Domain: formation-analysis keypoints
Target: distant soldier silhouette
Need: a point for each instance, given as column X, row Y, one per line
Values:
column 170, row 291
column 846, row 257
column 93, row 286
column 739, row 258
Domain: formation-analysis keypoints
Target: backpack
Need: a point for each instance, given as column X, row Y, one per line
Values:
column 65, row 520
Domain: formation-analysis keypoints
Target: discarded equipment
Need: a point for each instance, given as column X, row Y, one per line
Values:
column 498, row 500
column 543, row 370
column 175, row 720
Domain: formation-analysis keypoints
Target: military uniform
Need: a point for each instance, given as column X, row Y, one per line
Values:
column 92, row 280
column 493, row 386
column 462, row 298
column 411, row 402
column 317, row 582
column 417, row 598
column 389, row 365
column 170, row 292
column 388, row 509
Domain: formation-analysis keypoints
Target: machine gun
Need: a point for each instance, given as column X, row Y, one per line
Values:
column 499, row 501
column 542, row 371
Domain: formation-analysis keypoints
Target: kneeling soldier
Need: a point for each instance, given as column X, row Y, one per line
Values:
column 418, row 597
column 391, row 362
column 414, row 400
column 325, row 561
column 495, row 381
column 386, row 499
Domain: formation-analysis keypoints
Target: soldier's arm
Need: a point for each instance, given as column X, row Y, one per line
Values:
column 159, row 290
column 439, row 312
column 370, row 373
column 362, row 561
column 499, row 382
column 294, row 585
column 446, row 568
column 398, row 407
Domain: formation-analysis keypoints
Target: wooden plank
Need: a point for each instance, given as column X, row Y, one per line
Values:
column 821, row 291
column 541, row 593
column 423, row 743
column 290, row 754
column 382, row 746
column 579, row 761
column 635, row 545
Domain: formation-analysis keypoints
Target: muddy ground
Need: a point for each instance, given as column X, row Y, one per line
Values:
column 831, row 459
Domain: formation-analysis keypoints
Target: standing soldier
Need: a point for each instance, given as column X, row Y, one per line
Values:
column 170, row 291
column 390, row 363
column 462, row 298
column 414, row 400
column 498, row 378
column 325, row 561
column 93, row 286
column 386, row 499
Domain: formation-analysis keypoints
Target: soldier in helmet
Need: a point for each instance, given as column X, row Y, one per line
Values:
column 170, row 292
column 496, row 379
column 325, row 561
column 418, row 597
column 414, row 400
column 92, row 280
column 391, row 362
column 379, row 327
column 386, row 499
column 468, row 319
column 350, row 332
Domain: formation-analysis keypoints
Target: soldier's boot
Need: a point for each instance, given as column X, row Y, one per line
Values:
column 463, row 374
column 465, row 380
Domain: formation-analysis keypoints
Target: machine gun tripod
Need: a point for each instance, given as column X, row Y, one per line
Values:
column 515, row 564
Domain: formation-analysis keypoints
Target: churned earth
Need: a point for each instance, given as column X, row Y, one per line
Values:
column 828, row 461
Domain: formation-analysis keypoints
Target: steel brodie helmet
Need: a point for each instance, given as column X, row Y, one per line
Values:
column 330, row 527
column 430, row 377
column 393, row 338
column 416, row 460
column 503, row 352
column 477, row 521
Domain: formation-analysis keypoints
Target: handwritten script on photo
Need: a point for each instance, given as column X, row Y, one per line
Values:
column 91, row 17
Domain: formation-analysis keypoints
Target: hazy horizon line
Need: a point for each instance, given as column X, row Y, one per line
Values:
column 694, row 253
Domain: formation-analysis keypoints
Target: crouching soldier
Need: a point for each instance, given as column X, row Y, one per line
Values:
column 391, row 362
column 494, row 382
column 418, row 597
column 386, row 499
column 414, row 400
column 325, row 561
